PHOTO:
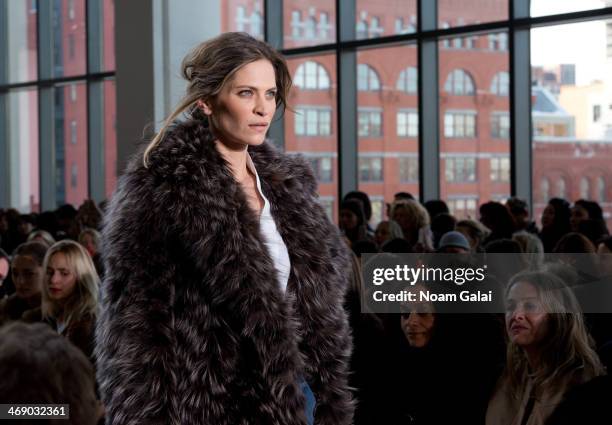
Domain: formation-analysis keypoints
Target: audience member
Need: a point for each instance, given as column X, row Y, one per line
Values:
column 387, row 230
column 555, row 223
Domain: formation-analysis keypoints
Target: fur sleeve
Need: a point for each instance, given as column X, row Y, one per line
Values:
column 134, row 334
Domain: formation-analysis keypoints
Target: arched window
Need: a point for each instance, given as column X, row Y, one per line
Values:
column 367, row 78
column 311, row 76
column 501, row 84
column 561, row 188
column 407, row 80
column 545, row 189
column 584, row 188
column 601, row 189
column 459, row 83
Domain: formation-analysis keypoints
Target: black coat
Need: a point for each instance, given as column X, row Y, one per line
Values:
column 194, row 327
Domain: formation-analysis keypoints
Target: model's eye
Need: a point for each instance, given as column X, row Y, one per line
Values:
column 245, row 93
column 271, row 94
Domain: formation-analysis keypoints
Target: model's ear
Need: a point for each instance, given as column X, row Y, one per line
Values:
column 205, row 107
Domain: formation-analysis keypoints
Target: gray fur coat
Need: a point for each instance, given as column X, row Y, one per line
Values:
column 194, row 327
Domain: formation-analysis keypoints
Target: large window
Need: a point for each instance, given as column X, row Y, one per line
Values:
column 407, row 124
column 461, row 169
column 312, row 121
column 49, row 129
column 367, row 78
column 370, row 169
column 370, row 123
column 311, row 76
column 460, row 124
column 459, row 82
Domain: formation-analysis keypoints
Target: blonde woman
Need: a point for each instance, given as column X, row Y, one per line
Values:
column 549, row 351
column 413, row 218
column 70, row 294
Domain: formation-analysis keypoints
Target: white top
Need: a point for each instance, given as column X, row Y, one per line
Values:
column 273, row 240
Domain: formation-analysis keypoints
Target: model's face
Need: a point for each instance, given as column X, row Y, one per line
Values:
column 579, row 214
column 61, row 277
column 242, row 111
column 548, row 216
column 27, row 276
column 526, row 320
column 418, row 325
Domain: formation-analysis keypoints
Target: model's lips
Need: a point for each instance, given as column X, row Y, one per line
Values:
column 55, row 290
column 260, row 127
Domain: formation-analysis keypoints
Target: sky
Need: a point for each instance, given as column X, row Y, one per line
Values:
column 583, row 43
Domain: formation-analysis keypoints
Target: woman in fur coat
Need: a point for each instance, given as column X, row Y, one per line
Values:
column 222, row 300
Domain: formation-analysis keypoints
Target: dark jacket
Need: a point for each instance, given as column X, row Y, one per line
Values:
column 194, row 327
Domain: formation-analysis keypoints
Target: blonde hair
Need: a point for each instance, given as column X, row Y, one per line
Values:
column 532, row 248
column 211, row 65
column 43, row 236
column 95, row 236
column 419, row 217
column 83, row 300
column 568, row 348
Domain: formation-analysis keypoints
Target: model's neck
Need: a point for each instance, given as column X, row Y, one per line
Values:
column 236, row 157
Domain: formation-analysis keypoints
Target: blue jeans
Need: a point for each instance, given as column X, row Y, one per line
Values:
column 310, row 400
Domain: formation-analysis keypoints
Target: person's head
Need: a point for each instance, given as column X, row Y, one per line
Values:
column 532, row 246
column 545, row 328
column 440, row 224
column 454, row 242
column 235, row 84
column 387, row 230
column 4, row 266
column 474, row 231
column 71, row 282
column 578, row 214
column 556, row 215
column 411, row 216
column 574, row 243
column 418, row 320
column 496, row 217
column 27, row 269
column 365, row 201
column 435, row 207
column 351, row 215
column 38, row 366
column 91, row 240
column 519, row 210
column 25, row 224
column 42, row 236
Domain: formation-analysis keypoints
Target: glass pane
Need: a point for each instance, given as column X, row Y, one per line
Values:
column 388, row 148
column 311, row 130
column 453, row 13
column 23, row 147
column 572, row 114
column 69, row 41
column 71, row 186
column 22, row 40
column 243, row 15
column 108, row 35
column 384, row 18
column 547, row 7
column 110, row 137
column 308, row 24
column 474, row 124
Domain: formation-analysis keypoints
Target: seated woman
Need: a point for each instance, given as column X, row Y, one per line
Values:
column 549, row 350
column 440, row 373
column 27, row 275
column 70, row 294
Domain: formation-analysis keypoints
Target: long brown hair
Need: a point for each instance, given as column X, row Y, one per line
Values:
column 212, row 64
column 568, row 346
